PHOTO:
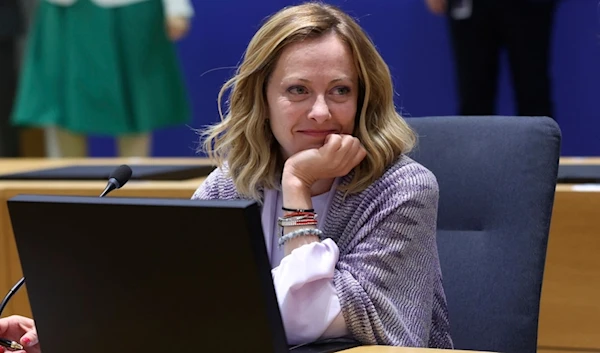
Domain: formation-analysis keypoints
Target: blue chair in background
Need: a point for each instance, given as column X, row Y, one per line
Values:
column 497, row 178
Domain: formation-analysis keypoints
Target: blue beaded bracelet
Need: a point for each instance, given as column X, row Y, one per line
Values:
column 299, row 233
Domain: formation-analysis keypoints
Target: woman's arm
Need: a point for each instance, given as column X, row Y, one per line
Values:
column 308, row 301
column 307, row 298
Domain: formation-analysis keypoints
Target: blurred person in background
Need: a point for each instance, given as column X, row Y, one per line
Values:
column 103, row 67
column 479, row 30
column 11, row 27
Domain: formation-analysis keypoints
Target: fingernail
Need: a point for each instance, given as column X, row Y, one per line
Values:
column 25, row 341
column 1, row 349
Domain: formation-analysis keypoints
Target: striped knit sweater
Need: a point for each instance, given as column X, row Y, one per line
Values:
column 388, row 276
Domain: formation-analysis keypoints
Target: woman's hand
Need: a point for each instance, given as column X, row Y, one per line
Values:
column 22, row 330
column 177, row 27
column 337, row 157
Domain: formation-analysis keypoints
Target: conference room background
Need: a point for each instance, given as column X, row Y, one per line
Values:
column 415, row 45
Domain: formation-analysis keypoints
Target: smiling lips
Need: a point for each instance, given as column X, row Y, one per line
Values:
column 317, row 133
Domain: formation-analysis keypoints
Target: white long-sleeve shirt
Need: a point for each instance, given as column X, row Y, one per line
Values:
column 303, row 280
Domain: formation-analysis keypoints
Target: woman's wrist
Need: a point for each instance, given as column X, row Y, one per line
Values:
column 296, row 236
column 297, row 242
column 296, row 193
column 296, row 196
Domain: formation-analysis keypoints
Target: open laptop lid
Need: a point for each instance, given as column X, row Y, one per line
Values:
column 141, row 275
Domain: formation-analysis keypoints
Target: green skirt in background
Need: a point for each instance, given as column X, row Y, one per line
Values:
column 103, row 71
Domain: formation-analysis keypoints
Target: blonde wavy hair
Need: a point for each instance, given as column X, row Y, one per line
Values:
column 244, row 139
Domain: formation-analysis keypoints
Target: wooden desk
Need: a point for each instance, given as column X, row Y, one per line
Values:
column 580, row 160
column 10, row 266
column 570, row 306
column 385, row 349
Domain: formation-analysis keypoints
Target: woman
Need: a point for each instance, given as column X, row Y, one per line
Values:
column 311, row 129
column 311, row 132
column 103, row 67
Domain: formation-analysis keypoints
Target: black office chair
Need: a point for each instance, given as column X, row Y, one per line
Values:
column 497, row 178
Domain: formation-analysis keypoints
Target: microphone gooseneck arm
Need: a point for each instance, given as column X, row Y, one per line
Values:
column 10, row 293
column 112, row 185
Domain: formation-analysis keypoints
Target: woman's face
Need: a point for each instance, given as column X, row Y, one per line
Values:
column 312, row 92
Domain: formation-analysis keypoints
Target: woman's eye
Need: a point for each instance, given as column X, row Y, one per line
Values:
column 297, row 90
column 341, row 90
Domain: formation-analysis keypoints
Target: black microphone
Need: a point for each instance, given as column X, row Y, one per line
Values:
column 119, row 177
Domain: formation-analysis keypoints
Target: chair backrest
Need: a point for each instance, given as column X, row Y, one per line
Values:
column 497, row 177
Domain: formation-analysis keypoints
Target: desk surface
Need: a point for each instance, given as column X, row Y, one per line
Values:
column 580, row 160
column 384, row 349
column 8, row 165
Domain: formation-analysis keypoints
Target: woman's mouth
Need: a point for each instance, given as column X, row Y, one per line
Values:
column 317, row 133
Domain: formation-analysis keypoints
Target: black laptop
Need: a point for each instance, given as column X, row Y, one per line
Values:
column 143, row 275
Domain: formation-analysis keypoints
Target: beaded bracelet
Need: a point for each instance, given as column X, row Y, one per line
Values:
column 302, row 222
column 297, row 210
column 300, row 233
column 297, row 219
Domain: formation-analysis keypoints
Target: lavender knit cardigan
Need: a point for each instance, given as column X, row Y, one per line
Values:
column 388, row 276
